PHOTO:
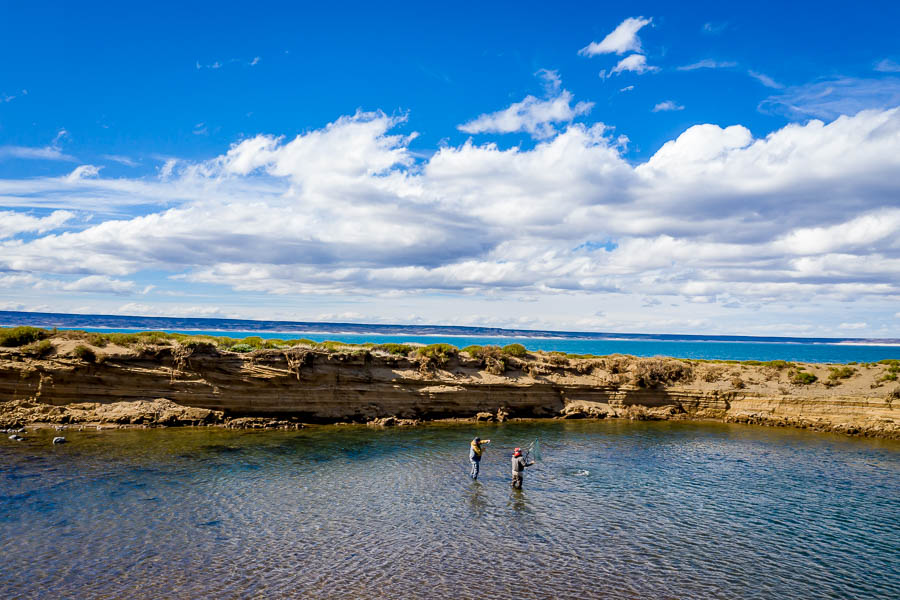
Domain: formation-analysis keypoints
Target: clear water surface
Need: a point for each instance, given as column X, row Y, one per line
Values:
column 614, row 510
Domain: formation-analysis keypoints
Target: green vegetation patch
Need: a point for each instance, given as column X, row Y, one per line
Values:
column 84, row 353
column 803, row 378
column 778, row 364
column 332, row 346
column 517, row 350
column 841, row 373
column 439, row 352
column 893, row 371
column 14, row 337
column 38, row 349
column 395, row 349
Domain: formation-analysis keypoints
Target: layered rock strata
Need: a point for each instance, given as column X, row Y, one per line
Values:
column 201, row 385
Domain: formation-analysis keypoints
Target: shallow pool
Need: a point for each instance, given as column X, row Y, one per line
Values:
column 613, row 510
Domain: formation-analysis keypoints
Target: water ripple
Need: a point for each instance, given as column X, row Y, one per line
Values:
column 615, row 510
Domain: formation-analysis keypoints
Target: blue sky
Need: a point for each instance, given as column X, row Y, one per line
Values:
column 703, row 167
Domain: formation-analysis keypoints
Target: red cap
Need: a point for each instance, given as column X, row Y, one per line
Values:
column 517, row 452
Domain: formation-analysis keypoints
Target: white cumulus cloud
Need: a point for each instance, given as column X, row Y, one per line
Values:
column 532, row 115
column 622, row 39
column 635, row 63
column 13, row 223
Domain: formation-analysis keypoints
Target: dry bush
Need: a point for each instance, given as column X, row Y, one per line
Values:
column 586, row 368
column 712, row 373
column 488, row 352
column 536, row 370
column 558, row 359
column 436, row 355
column 617, row 363
column 737, row 383
column 495, row 366
column 653, row 372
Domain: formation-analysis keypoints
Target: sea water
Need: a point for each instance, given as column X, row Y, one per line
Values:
column 614, row 509
column 711, row 347
column 812, row 352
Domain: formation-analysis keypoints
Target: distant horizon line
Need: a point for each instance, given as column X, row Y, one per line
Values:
column 74, row 320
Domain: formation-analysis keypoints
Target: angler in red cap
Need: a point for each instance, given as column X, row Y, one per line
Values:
column 518, row 467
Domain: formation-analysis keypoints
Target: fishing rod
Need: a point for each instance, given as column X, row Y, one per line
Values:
column 533, row 448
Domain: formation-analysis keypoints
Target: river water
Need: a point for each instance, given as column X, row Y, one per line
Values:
column 613, row 510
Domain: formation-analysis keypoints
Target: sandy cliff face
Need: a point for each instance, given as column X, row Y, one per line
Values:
column 203, row 385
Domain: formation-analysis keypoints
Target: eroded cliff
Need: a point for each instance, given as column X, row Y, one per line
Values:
column 196, row 384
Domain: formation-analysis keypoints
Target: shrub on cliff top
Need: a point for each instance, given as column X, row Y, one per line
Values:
column 517, row 350
column 777, row 364
column 652, row 372
column 200, row 344
column 241, row 348
column 841, row 373
column 803, row 378
column 483, row 352
column 397, row 349
column 558, row 358
column 38, row 349
column 84, row 353
column 438, row 354
column 332, row 346
column 19, row 336
column 617, row 363
column 254, row 342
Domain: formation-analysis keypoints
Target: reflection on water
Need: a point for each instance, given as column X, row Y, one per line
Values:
column 615, row 509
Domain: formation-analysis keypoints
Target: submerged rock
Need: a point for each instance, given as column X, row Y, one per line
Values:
column 262, row 423
column 59, row 440
column 393, row 422
column 16, row 438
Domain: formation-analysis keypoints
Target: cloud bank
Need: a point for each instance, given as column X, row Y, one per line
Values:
column 806, row 214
